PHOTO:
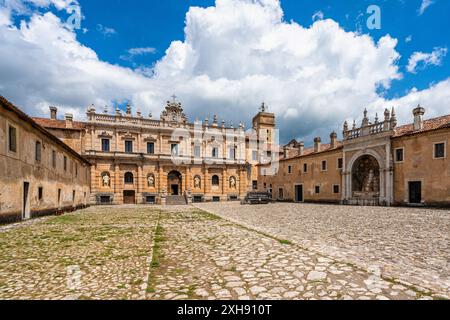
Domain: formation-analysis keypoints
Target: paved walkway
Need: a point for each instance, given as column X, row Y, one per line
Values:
column 410, row 245
column 97, row 253
column 202, row 256
column 184, row 253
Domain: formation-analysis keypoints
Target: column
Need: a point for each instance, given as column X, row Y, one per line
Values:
column 224, row 183
column 139, row 181
column 206, row 181
column 117, row 184
column 94, row 184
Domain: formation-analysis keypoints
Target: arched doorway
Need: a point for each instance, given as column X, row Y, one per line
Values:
column 366, row 178
column 175, row 183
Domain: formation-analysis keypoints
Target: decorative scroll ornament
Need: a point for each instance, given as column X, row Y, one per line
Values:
column 173, row 113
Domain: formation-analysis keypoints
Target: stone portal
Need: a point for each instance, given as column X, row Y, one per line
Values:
column 366, row 178
column 174, row 183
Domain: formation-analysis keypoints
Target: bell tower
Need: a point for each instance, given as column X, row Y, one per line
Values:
column 264, row 124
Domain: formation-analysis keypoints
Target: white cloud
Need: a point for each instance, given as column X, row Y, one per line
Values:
column 133, row 52
column 408, row 38
column 426, row 59
column 106, row 31
column 141, row 51
column 317, row 16
column 424, row 6
column 234, row 56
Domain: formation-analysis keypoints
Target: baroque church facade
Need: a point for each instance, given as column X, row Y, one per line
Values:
column 139, row 160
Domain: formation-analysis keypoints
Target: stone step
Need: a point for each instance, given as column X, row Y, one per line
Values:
column 176, row 201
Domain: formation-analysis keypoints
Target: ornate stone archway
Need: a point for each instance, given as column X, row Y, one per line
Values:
column 366, row 178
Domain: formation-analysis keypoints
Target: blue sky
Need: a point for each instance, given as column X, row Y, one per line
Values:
column 157, row 23
column 121, row 53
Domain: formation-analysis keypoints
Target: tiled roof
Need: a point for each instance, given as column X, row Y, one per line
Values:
column 58, row 124
column 428, row 125
column 4, row 103
column 310, row 151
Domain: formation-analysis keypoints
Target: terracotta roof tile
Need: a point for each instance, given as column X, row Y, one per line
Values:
column 310, row 151
column 4, row 103
column 58, row 124
column 428, row 125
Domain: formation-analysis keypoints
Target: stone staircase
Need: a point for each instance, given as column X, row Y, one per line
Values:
column 176, row 201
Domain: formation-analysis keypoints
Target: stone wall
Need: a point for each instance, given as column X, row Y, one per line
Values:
column 419, row 164
column 309, row 180
column 50, row 189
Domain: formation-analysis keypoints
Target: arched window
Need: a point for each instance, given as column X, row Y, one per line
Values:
column 215, row 181
column 129, row 179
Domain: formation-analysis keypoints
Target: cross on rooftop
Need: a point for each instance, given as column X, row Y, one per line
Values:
column 174, row 97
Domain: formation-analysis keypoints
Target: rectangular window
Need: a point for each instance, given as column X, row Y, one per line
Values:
column 324, row 165
column 289, row 169
column 65, row 163
column 38, row 151
column 215, row 152
column 317, row 189
column 255, row 155
column 174, row 149
column 40, row 193
column 255, row 185
column 399, row 155
column 336, row 189
column 232, row 153
column 76, row 169
column 197, row 151
column 340, row 163
column 439, row 150
column 73, row 195
column 150, row 148
column 12, row 139
column 128, row 146
column 305, row 168
column 105, row 145
column 53, row 158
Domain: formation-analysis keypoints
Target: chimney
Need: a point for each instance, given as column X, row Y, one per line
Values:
column 53, row 113
column 333, row 139
column 285, row 152
column 301, row 148
column 69, row 120
column 317, row 142
column 418, row 118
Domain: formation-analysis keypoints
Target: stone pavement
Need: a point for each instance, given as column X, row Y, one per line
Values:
column 97, row 253
column 129, row 252
column 410, row 245
column 201, row 256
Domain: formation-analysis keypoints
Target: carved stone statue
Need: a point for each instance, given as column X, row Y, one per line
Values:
column 366, row 176
column 371, row 185
column 106, row 180
column 233, row 183
column 197, row 182
column 151, row 181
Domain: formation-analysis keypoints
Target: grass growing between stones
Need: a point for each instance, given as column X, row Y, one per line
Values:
column 109, row 246
column 156, row 254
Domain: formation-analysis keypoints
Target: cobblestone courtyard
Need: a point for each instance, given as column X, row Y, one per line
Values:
column 280, row 251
